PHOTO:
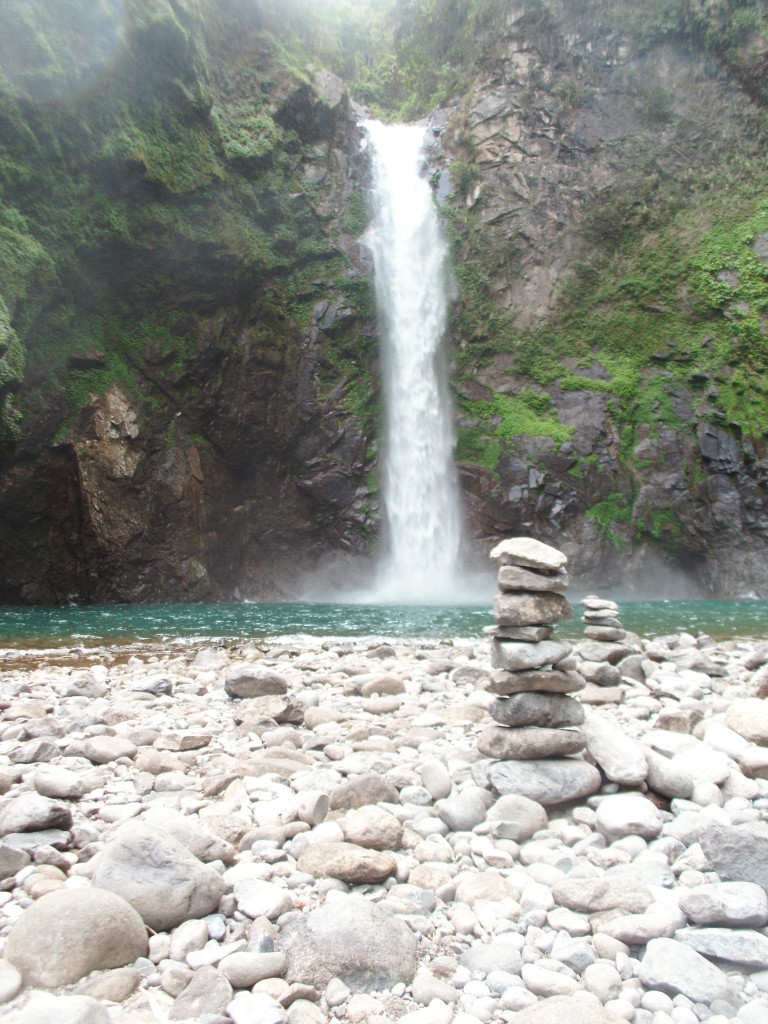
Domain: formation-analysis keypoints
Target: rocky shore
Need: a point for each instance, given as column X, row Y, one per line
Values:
column 301, row 832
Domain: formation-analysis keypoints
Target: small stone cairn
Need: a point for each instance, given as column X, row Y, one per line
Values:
column 534, row 674
column 601, row 620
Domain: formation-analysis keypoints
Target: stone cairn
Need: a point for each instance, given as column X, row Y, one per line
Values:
column 601, row 620
column 534, row 673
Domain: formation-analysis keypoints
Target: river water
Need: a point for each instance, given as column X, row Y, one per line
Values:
column 231, row 623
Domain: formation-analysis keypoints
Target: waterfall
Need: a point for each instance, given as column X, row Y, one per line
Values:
column 419, row 484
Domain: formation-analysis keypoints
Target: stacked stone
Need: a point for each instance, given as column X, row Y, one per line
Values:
column 601, row 620
column 534, row 674
column 605, row 653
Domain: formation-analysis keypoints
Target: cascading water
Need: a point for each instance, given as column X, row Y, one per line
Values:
column 419, row 479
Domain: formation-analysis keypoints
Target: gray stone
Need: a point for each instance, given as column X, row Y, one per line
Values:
column 666, row 777
column 103, row 749
column 208, row 992
column 547, row 782
column 621, row 759
column 462, row 811
column 514, row 656
column 528, row 744
column 529, row 553
column 34, row 751
column 158, row 876
column 436, row 779
column 244, row 970
column 599, row 651
column 515, row 577
column 675, row 968
column 68, row 933
column 528, row 633
column 190, row 833
column 749, row 718
column 365, row 789
column 10, row 981
column 249, row 681
column 740, row 946
column 493, row 956
column 560, row 1009
column 600, row 673
column 12, row 860
column 591, row 895
column 44, row 1008
column 373, row 827
column 737, row 854
column 158, row 685
column 628, row 814
column 62, row 784
column 526, row 609
column 552, row 710
column 351, row 939
column 256, row 1008
column 735, row 904
column 348, row 862
column 516, row 817
column 538, row 680
column 30, row 812
column 257, row 898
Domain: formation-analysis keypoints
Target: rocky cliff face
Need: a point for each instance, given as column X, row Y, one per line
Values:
column 611, row 336
column 190, row 339
column 200, row 347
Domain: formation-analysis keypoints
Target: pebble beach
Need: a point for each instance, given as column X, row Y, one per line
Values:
column 309, row 831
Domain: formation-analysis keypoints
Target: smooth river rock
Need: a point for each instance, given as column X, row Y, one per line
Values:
column 348, row 862
column 516, row 577
column 621, row 759
column 528, row 744
column 157, row 876
column 515, row 656
column 352, row 939
column 552, row 710
column 528, row 552
column 675, row 968
column 739, row 945
column 527, row 609
column 30, row 812
column 735, row 904
column 737, row 854
column 547, row 782
column 67, row 934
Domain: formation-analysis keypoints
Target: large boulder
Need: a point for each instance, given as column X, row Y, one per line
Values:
column 157, row 876
column 68, row 933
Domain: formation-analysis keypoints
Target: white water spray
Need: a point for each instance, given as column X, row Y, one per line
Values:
column 419, row 479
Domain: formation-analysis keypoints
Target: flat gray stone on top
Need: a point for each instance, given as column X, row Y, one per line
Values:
column 351, row 939
column 530, row 553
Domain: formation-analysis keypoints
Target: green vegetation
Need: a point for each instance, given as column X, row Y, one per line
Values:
column 503, row 418
column 614, row 510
